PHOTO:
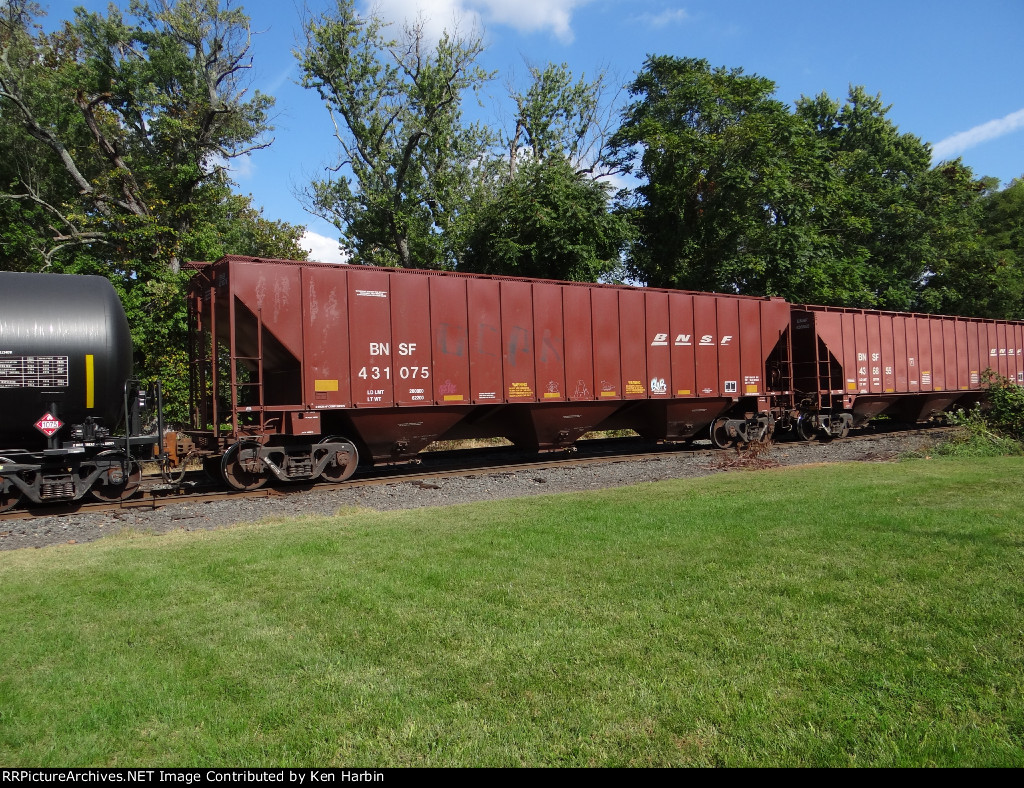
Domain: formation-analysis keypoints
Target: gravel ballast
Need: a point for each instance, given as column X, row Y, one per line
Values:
column 44, row 531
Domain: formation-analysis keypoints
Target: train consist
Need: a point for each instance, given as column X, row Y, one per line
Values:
column 301, row 371
column 65, row 391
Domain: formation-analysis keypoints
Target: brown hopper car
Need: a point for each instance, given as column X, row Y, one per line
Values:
column 909, row 366
column 387, row 361
column 301, row 370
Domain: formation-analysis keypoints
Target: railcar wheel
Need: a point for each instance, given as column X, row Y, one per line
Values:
column 720, row 435
column 119, row 478
column 241, row 467
column 11, row 498
column 805, row 429
column 343, row 465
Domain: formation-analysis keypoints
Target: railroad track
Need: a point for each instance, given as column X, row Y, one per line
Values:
column 195, row 487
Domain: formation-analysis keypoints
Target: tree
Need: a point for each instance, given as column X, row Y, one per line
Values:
column 1002, row 223
column 828, row 204
column 989, row 281
column 557, row 117
column 725, row 180
column 547, row 221
column 546, row 212
column 119, row 134
column 406, row 172
column 884, row 220
column 231, row 225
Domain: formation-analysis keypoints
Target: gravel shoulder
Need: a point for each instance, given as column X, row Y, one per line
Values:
column 45, row 531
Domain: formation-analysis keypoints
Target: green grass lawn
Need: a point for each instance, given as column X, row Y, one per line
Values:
column 840, row 615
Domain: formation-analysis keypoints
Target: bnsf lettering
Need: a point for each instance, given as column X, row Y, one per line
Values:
column 685, row 340
column 406, row 348
column 380, row 348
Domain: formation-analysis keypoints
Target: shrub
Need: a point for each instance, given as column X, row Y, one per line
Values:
column 976, row 437
column 1005, row 409
column 993, row 429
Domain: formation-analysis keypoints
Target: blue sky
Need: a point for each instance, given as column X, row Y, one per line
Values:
column 952, row 71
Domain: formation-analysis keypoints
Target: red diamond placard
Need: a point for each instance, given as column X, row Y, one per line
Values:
column 48, row 424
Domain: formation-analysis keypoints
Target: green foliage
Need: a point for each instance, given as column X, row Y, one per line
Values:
column 898, row 232
column 867, row 217
column 829, row 203
column 546, row 212
column 561, row 117
column 118, row 130
column 975, row 437
column 547, row 221
column 1005, row 405
column 995, row 428
column 725, row 176
column 1003, row 221
column 229, row 224
column 406, row 173
column 156, row 313
column 994, row 286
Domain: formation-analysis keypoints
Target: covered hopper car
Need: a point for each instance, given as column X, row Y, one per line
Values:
column 302, row 370
column 854, row 364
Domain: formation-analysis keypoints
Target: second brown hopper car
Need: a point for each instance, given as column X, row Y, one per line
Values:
column 302, row 370
column 850, row 365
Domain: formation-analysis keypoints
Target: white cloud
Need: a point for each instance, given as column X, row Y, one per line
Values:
column 529, row 16
column 669, row 16
column 526, row 16
column 436, row 15
column 242, row 168
column 321, row 248
column 964, row 140
column 279, row 80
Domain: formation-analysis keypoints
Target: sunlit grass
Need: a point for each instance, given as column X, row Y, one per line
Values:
column 846, row 615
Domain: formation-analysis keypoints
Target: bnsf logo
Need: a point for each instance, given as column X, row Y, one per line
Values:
column 686, row 340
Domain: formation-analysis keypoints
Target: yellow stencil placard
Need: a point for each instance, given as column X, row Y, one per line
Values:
column 325, row 385
column 90, row 382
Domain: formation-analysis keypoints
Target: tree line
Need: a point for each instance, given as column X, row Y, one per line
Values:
column 119, row 129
